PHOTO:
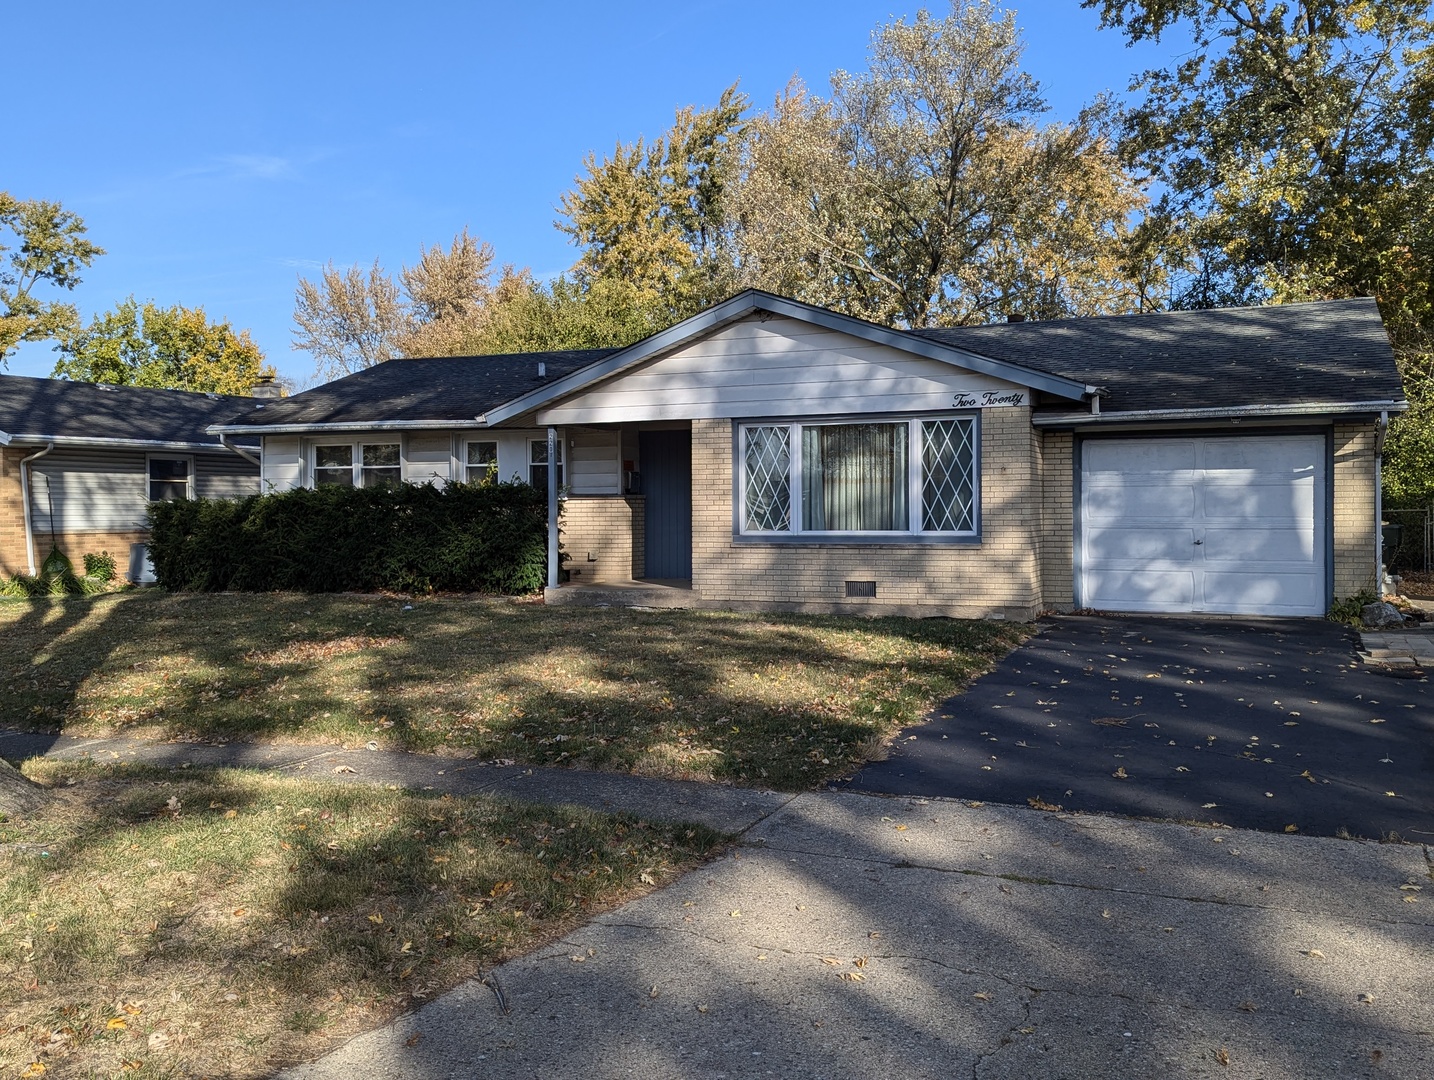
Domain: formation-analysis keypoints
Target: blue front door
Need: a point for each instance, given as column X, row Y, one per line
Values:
column 665, row 461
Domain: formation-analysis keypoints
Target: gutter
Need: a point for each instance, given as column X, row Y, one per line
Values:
column 25, row 503
column 1236, row 412
column 335, row 429
column 245, row 454
column 119, row 444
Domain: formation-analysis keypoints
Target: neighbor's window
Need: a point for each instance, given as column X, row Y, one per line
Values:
column 538, row 463
column 906, row 476
column 169, row 478
column 482, row 463
column 357, row 465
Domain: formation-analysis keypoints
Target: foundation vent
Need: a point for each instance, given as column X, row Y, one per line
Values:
column 861, row 588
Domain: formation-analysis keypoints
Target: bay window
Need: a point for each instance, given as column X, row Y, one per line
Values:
column 865, row 480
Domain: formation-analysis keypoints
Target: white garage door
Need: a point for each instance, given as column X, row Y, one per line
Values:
column 1234, row 525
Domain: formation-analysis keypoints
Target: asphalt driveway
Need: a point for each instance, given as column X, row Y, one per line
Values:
column 1260, row 724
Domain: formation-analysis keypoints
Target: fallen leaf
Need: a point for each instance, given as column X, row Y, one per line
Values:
column 1368, row 999
column 981, row 995
column 1292, row 828
column 1208, row 806
column 1315, row 953
column 902, row 828
column 1223, row 1056
column 376, row 919
column 343, row 769
column 1120, row 773
column 831, row 961
column 1391, row 794
column 117, row 1023
column 654, row 993
column 852, row 976
column 158, row 1040
column 35, row 1068
column 1247, row 1006
column 413, row 1040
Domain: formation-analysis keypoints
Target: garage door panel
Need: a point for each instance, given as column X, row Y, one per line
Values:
column 1141, row 590
column 1260, row 594
column 1118, row 502
column 1144, row 545
column 1165, row 456
column 1261, row 503
column 1278, row 547
column 1219, row 524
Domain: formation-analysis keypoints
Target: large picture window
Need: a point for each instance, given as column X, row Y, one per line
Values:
column 914, row 476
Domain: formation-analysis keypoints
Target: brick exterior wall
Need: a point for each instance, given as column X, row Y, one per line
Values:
column 610, row 530
column 1354, row 524
column 996, row 578
column 1056, row 457
column 12, row 516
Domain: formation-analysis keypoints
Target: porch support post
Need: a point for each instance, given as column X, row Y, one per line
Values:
column 552, row 508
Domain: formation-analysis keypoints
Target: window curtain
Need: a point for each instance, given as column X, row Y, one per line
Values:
column 854, row 478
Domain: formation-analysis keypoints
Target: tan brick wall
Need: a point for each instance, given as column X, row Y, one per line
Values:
column 1057, row 461
column 609, row 530
column 12, row 519
column 997, row 577
column 1354, row 525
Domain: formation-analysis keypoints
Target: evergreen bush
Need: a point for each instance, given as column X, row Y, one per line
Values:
column 489, row 538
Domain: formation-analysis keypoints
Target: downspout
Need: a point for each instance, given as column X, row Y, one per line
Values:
column 25, row 504
column 1381, row 428
column 552, row 508
column 224, row 442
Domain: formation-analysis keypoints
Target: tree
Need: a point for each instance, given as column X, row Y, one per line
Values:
column 1294, row 144
column 924, row 192
column 448, row 297
column 349, row 320
column 525, row 315
column 176, row 347
column 52, row 251
column 651, row 215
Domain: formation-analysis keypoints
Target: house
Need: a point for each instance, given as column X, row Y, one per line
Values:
column 80, row 462
column 767, row 454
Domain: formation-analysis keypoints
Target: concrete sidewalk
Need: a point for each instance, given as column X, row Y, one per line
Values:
column 855, row 936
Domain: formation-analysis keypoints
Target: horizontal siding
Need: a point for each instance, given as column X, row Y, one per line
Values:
column 428, row 458
column 776, row 367
column 89, row 491
column 224, row 476
column 283, row 468
column 593, row 465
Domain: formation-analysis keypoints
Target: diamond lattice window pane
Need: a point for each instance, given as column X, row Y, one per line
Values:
column 768, row 488
column 948, row 489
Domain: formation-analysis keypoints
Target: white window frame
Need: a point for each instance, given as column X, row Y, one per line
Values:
column 356, row 457
column 916, row 530
column 149, row 480
column 562, row 459
column 463, row 465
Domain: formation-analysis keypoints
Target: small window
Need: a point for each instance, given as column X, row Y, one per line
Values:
column 538, row 463
column 169, row 478
column 334, row 466
column 380, row 466
column 482, row 463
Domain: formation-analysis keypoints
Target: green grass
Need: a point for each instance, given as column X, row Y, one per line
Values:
column 783, row 701
column 224, row 923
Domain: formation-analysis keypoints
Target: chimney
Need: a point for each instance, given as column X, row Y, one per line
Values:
column 266, row 387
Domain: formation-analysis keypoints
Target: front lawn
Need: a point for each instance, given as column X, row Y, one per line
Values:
column 783, row 701
column 162, row 924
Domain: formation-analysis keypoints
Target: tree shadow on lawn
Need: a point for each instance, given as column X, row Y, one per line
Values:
column 783, row 701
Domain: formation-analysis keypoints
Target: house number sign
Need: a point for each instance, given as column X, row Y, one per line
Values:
column 988, row 399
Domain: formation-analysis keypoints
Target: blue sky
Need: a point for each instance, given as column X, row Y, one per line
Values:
column 219, row 151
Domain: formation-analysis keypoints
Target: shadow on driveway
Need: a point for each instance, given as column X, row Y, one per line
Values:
column 1262, row 724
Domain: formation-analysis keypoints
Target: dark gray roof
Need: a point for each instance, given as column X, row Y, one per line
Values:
column 61, row 409
column 450, row 389
column 1329, row 352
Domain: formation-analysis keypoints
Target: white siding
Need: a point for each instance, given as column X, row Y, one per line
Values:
column 283, row 463
column 428, row 457
column 776, row 367
column 593, row 464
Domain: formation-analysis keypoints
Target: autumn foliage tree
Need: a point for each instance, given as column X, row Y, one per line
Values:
column 49, row 249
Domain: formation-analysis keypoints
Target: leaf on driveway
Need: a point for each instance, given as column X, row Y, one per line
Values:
column 1121, row 774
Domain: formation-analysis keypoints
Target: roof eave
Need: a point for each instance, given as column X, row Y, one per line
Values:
column 1237, row 412
column 339, row 427
column 744, row 304
column 115, row 444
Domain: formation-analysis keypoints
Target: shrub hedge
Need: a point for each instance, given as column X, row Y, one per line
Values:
column 489, row 538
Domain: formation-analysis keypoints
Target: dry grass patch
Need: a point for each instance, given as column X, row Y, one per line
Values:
column 225, row 923
column 783, row 701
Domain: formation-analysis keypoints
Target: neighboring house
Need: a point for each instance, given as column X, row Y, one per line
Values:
column 80, row 462
column 768, row 454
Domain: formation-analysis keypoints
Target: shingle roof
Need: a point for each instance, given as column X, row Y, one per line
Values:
column 1331, row 352
column 59, row 408
column 452, row 389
